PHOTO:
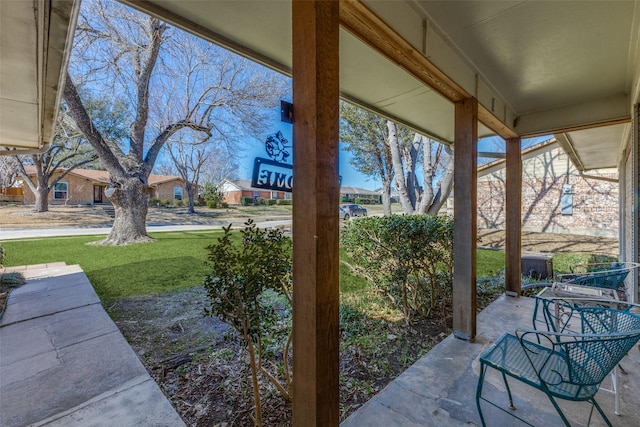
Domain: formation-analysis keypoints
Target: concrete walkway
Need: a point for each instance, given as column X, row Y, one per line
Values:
column 63, row 362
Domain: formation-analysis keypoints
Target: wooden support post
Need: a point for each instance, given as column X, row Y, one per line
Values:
column 513, row 223
column 315, row 213
column 465, row 218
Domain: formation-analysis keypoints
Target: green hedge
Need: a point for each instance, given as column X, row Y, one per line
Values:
column 284, row 202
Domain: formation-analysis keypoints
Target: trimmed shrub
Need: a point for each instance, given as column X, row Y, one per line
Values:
column 246, row 201
column 410, row 257
column 284, row 202
column 271, row 202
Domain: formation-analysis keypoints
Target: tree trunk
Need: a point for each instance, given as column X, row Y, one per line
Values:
column 444, row 189
column 42, row 199
column 386, row 197
column 191, row 194
column 398, row 171
column 131, row 202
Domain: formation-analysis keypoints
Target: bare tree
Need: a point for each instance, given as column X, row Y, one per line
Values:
column 8, row 173
column 173, row 81
column 189, row 159
column 69, row 151
column 405, row 153
column 221, row 164
column 365, row 135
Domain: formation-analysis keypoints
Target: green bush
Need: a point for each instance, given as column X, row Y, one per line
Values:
column 271, row 202
column 212, row 196
column 246, row 201
column 154, row 201
column 164, row 203
column 284, row 202
column 250, row 288
column 410, row 257
column 225, row 205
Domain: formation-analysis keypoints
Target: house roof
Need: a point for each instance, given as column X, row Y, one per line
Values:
column 245, row 184
column 357, row 190
column 528, row 152
column 103, row 176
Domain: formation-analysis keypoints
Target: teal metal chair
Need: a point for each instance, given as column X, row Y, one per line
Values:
column 600, row 275
column 563, row 365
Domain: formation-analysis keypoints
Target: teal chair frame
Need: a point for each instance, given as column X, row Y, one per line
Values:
column 563, row 365
column 600, row 275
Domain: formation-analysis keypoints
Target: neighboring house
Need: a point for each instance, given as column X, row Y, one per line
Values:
column 556, row 197
column 234, row 190
column 86, row 186
column 353, row 193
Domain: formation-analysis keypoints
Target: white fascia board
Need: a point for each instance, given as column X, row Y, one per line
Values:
column 60, row 21
column 588, row 114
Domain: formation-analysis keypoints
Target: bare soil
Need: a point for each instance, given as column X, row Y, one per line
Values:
column 21, row 216
column 200, row 363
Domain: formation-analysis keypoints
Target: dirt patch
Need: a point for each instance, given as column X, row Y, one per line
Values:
column 552, row 242
column 201, row 366
column 12, row 216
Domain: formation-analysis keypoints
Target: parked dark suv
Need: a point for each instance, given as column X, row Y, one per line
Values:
column 349, row 211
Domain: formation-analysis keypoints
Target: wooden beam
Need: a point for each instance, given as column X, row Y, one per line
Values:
column 513, row 221
column 360, row 21
column 315, row 213
column 465, row 211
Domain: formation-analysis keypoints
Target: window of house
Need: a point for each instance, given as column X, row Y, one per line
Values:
column 287, row 196
column 177, row 193
column 61, row 191
column 274, row 194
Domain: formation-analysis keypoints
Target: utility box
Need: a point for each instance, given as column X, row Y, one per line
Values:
column 537, row 266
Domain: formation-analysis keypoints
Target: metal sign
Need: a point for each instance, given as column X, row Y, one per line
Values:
column 274, row 174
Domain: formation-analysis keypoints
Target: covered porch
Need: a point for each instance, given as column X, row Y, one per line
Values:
column 440, row 388
column 454, row 71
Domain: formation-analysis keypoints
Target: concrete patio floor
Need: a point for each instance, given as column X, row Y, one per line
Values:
column 439, row 390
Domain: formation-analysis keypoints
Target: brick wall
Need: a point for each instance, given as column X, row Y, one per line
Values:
column 595, row 202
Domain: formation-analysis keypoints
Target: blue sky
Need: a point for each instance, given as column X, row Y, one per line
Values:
column 350, row 176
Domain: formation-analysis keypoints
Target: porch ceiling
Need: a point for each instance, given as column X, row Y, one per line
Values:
column 536, row 67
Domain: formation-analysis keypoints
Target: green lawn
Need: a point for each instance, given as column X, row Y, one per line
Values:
column 177, row 260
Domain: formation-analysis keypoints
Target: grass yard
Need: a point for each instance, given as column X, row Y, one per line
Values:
column 177, row 260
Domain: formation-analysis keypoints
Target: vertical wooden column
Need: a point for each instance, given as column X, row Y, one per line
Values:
column 315, row 213
column 465, row 218
column 513, row 223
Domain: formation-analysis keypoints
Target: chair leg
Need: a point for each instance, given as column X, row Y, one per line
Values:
column 559, row 411
column 604, row 417
column 483, row 370
column 511, row 406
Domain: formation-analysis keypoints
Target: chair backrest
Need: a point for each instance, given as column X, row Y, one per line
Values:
column 608, row 279
column 584, row 352
column 590, row 360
